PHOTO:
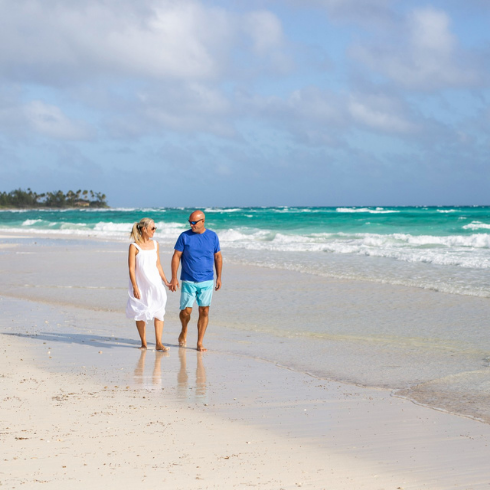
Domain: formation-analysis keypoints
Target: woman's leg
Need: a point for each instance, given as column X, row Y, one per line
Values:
column 141, row 326
column 158, row 335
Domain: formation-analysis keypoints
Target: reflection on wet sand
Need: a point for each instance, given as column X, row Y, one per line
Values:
column 183, row 389
column 139, row 370
column 200, row 376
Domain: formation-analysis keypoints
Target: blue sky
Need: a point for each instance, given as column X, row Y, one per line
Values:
column 246, row 103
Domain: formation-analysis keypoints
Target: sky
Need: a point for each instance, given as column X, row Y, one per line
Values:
column 247, row 103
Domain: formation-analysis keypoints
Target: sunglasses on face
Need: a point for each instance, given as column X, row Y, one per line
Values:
column 153, row 229
column 195, row 222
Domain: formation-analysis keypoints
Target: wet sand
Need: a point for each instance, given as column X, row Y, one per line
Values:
column 233, row 417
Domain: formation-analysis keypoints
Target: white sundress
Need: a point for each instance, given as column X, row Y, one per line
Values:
column 152, row 290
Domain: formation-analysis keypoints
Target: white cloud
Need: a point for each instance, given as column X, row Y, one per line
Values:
column 43, row 119
column 423, row 55
column 197, row 107
column 308, row 104
column 172, row 40
column 194, row 107
column 380, row 112
column 311, row 115
column 53, row 42
column 429, row 30
column 265, row 29
column 49, row 120
column 365, row 12
column 317, row 105
column 185, row 108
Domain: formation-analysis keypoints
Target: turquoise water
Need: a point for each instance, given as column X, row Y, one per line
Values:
column 441, row 221
column 444, row 248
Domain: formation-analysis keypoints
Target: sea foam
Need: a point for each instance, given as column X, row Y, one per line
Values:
column 366, row 210
column 30, row 222
column 476, row 225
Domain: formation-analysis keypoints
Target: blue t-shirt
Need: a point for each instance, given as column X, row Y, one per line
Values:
column 198, row 251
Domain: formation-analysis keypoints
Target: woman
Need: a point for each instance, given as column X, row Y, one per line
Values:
column 147, row 295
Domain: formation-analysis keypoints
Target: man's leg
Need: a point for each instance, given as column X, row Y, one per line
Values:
column 187, row 298
column 204, row 296
column 185, row 317
column 202, row 324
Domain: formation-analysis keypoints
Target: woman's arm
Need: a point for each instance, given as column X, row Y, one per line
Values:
column 159, row 267
column 132, row 270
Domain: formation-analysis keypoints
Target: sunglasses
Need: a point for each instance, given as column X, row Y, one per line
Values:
column 195, row 222
column 153, row 229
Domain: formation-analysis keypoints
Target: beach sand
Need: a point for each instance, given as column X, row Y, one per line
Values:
column 83, row 407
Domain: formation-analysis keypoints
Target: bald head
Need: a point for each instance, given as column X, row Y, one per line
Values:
column 197, row 217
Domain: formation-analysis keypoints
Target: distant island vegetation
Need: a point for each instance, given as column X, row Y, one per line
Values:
column 20, row 199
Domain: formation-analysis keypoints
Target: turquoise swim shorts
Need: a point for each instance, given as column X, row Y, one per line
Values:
column 202, row 292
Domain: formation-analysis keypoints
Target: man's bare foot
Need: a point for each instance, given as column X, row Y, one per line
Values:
column 182, row 340
column 201, row 348
column 143, row 347
column 161, row 348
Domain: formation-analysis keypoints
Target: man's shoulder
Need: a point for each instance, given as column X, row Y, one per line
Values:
column 185, row 234
column 207, row 234
column 182, row 240
column 189, row 234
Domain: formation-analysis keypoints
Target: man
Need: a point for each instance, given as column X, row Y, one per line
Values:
column 199, row 250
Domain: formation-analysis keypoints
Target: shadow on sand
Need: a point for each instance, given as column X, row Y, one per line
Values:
column 78, row 338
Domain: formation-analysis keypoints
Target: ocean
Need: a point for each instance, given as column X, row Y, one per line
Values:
column 445, row 249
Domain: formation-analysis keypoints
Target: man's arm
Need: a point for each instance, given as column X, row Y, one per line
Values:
column 174, row 283
column 218, row 264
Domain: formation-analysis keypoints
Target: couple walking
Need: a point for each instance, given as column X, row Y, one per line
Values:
column 198, row 250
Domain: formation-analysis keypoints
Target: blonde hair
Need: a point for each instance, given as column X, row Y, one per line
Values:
column 138, row 227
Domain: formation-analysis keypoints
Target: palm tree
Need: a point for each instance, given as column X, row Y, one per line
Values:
column 70, row 197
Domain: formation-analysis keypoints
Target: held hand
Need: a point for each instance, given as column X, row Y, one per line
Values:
column 167, row 284
column 136, row 293
column 218, row 284
column 174, row 284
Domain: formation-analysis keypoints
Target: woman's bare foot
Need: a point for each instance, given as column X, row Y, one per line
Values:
column 182, row 340
column 161, row 348
column 201, row 348
column 143, row 347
